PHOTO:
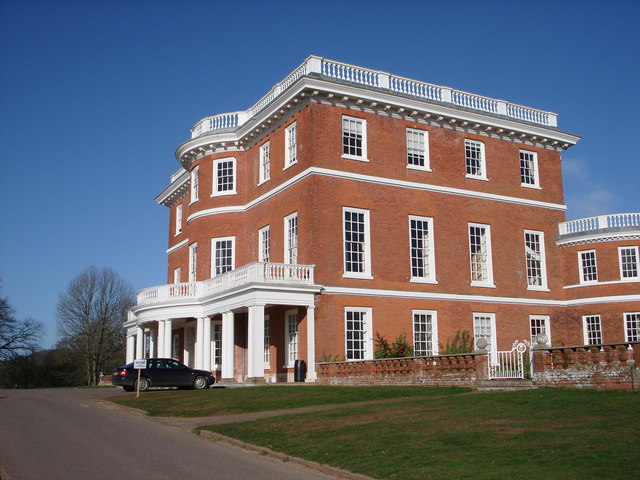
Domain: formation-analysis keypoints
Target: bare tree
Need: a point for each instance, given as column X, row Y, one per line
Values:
column 17, row 337
column 90, row 315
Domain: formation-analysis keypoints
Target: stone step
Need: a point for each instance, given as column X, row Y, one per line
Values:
column 501, row 385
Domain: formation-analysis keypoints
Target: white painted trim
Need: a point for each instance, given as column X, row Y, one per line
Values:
column 543, row 261
column 629, row 247
column 612, row 282
column 216, row 178
column 452, row 297
column 427, row 159
column 287, row 339
column 625, row 321
column 547, row 327
column 434, row 328
column 487, row 232
column 213, row 253
column 177, row 246
column 368, row 340
column 363, row 157
column 431, row 274
column 366, row 274
column 372, row 179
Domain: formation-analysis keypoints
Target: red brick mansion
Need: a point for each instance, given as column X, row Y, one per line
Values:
column 349, row 203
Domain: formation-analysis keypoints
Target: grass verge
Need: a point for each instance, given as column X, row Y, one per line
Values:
column 227, row 401
column 544, row 433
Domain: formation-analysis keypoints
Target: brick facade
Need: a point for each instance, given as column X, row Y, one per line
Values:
column 323, row 182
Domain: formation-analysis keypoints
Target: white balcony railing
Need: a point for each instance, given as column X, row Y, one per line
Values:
column 373, row 78
column 591, row 224
column 257, row 272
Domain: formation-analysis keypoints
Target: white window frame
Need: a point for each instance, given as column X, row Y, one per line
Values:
column 433, row 317
column 193, row 262
column 195, row 184
column 216, row 345
column 542, row 260
column 590, row 333
column 291, row 337
column 418, row 150
column 178, row 230
column 582, row 266
column 347, row 133
column 367, row 333
column 479, row 331
column 217, row 178
column 264, row 244
column 539, row 324
column 216, row 258
column 428, row 255
column 366, row 245
column 177, row 275
column 476, row 147
column 531, row 179
column 633, row 265
column 486, row 257
column 265, row 162
column 291, row 239
column 290, row 145
column 631, row 324
column 266, row 354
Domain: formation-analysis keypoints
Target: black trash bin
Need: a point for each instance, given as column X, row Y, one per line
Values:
column 300, row 371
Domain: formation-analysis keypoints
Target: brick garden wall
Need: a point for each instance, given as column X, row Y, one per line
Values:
column 604, row 367
column 446, row 370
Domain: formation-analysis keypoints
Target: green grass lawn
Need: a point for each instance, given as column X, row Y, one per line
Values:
column 544, row 433
column 226, row 401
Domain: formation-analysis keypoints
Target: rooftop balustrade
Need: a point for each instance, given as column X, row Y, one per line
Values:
column 257, row 272
column 595, row 224
column 351, row 74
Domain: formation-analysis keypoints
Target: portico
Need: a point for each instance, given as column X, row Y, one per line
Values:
column 233, row 324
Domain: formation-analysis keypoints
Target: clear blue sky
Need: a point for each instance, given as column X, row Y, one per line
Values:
column 95, row 96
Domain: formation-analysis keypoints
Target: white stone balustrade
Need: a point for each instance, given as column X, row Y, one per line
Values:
column 372, row 78
column 257, row 272
column 591, row 224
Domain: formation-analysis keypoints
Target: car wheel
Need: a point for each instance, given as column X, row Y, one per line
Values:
column 200, row 383
column 127, row 389
column 144, row 384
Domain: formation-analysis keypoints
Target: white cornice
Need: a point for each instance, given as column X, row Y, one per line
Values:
column 586, row 239
column 377, row 180
column 376, row 101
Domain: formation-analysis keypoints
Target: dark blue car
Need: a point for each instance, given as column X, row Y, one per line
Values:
column 161, row 372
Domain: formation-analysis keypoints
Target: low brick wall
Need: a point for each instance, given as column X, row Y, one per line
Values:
column 603, row 367
column 445, row 370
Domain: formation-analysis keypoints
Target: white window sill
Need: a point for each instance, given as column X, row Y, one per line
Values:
column 262, row 182
column 538, row 289
column 533, row 187
column 613, row 282
column 362, row 276
column 286, row 167
column 223, row 194
column 474, row 177
column 423, row 280
column 484, row 285
column 419, row 168
column 353, row 157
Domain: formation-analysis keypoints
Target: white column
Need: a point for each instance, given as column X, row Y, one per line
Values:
column 227, row 345
column 206, row 345
column 139, row 343
column 167, row 339
column 161, row 339
column 311, row 344
column 199, row 342
column 255, row 342
column 131, row 347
